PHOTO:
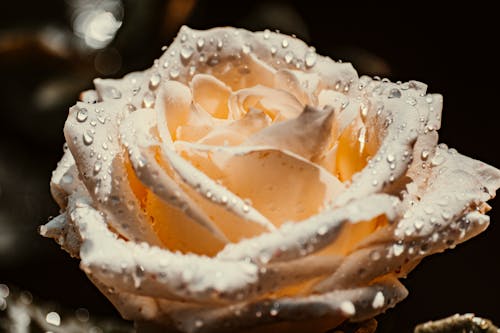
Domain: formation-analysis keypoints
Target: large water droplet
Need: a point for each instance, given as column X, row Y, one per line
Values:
column 148, row 100
column 288, row 57
column 394, row 93
column 267, row 33
column 246, row 49
column 174, row 73
column 97, row 166
column 398, row 248
column 310, row 59
column 200, row 43
column 284, row 43
column 347, row 308
column 88, row 138
column 154, row 81
column 82, row 115
column 186, row 53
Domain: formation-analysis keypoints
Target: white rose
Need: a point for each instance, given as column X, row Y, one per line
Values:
column 245, row 182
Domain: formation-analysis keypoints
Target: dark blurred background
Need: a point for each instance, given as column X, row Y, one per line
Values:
column 51, row 50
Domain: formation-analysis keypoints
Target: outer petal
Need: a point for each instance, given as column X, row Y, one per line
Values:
column 91, row 132
column 145, row 270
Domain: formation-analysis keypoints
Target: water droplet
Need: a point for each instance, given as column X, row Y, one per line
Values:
column 88, row 138
column 375, row 255
column 67, row 178
column 322, row 230
column 274, row 312
column 183, row 38
column 174, row 73
column 200, row 43
column 115, row 93
column 437, row 160
column 337, row 85
column 394, row 93
column 166, row 64
column 148, row 100
column 310, row 59
column 186, row 53
column 97, row 166
column 245, row 208
column 267, row 33
column 192, row 70
column 154, row 81
column 213, row 60
column 53, row 318
column 347, row 308
column 398, row 248
column 284, row 43
column 378, row 300
column 418, row 224
column 288, row 57
column 220, row 44
column 428, row 99
column 375, row 182
column 273, row 50
column 82, row 115
column 246, row 49
column 164, row 47
column 390, row 158
column 424, row 155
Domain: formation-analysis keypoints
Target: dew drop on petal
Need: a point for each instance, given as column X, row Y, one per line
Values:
column 398, row 248
column 378, row 300
column 154, row 81
column 246, row 49
column 148, row 100
column 390, row 158
column 200, row 43
column 273, row 50
column 174, row 73
column 82, row 115
column 394, row 93
column 284, row 43
column 347, row 308
column 88, row 138
column 97, row 166
column 267, row 33
column 424, row 155
column 288, row 57
column 186, row 53
column 310, row 59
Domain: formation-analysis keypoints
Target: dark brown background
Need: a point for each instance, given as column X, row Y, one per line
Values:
column 450, row 49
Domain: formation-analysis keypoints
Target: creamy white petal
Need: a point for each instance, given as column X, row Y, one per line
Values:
column 148, row 270
column 272, row 172
column 137, row 133
column 65, row 179
column 299, row 239
column 307, row 135
column 91, row 132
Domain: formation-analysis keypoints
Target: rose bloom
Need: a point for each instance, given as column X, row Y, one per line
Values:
column 245, row 183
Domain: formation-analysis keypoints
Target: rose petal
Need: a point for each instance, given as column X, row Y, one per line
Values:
column 302, row 85
column 275, row 103
column 211, row 94
column 236, row 132
column 291, row 135
column 207, row 187
column 151, row 271
column 328, row 310
column 271, row 172
column 296, row 240
column 65, row 179
column 91, row 133
column 137, row 133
